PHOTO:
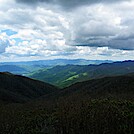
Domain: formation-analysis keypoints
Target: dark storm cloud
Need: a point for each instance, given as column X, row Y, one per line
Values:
column 68, row 4
column 34, row 1
column 93, row 27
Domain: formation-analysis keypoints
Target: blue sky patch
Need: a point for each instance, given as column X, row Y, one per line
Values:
column 8, row 32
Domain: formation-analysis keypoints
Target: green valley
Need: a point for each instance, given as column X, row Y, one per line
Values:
column 63, row 76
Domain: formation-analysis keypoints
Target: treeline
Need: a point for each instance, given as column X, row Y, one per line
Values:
column 75, row 114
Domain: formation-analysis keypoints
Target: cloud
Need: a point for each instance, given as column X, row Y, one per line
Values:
column 34, row 1
column 103, row 26
column 3, row 45
column 4, row 42
column 39, row 32
column 93, row 29
column 68, row 4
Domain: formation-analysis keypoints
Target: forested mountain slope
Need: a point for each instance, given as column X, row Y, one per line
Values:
column 15, row 88
column 63, row 76
column 97, row 106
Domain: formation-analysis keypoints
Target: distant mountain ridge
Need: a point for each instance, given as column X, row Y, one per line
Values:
column 55, row 62
column 64, row 76
column 12, row 68
column 26, row 67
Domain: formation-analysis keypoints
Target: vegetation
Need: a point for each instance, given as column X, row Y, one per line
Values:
column 63, row 76
column 102, row 106
column 15, row 88
column 99, row 106
column 73, row 115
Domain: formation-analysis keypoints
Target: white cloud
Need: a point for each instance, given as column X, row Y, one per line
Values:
column 5, row 42
column 42, row 31
column 92, row 30
column 103, row 25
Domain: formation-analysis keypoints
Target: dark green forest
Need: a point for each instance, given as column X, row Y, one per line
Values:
column 99, row 106
column 73, row 115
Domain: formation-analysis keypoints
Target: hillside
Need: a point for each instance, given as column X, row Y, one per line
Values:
column 119, row 87
column 98, row 106
column 63, row 76
column 15, row 88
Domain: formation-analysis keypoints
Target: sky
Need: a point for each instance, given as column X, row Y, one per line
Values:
column 66, row 29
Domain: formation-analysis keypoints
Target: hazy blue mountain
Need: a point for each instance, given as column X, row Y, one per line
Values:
column 20, row 69
column 58, row 62
column 27, row 67
column 12, row 68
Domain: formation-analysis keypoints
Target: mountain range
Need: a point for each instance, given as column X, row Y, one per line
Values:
column 63, row 76
column 55, row 62
column 26, row 67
